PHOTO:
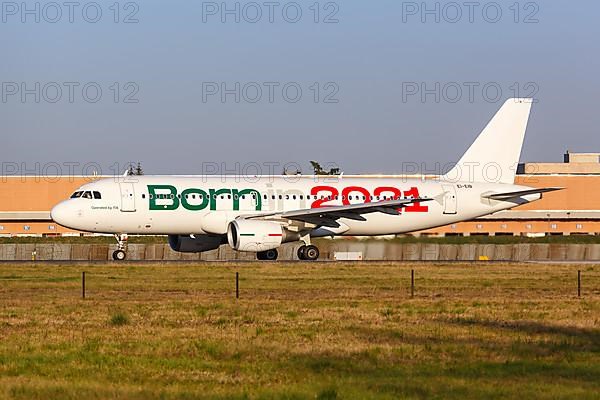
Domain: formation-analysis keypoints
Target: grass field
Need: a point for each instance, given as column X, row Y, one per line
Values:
column 300, row 331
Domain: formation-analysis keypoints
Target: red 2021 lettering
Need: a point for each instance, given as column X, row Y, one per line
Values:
column 327, row 194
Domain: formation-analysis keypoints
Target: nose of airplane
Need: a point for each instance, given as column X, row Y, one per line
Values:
column 60, row 214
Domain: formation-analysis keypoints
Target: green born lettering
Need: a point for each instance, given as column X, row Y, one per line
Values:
column 153, row 197
column 194, row 207
column 213, row 196
column 168, row 192
column 237, row 195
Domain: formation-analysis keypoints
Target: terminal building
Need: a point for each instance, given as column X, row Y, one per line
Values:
column 25, row 203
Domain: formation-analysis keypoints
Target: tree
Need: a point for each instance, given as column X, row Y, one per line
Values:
column 130, row 170
column 320, row 171
column 138, row 169
column 317, row 168
column 135, row 170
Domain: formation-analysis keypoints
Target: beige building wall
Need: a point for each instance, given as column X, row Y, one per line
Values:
column 25, row 204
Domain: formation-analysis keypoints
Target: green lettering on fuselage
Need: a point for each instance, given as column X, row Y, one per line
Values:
column 214, row 194
column 165, row 197
column 237, row 194
column 170, row 197
column 186, row 194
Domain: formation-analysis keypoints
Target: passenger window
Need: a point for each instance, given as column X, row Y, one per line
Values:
column 143, row 195
column 97, row 195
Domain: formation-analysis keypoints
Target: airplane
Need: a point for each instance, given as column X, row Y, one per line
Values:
column 202, row 213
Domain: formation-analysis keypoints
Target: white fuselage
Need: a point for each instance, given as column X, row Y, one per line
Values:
column 196, row 205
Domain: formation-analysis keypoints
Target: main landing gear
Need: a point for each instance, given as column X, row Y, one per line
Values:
column 121, row 253
column 308, row 253
column 268, row 255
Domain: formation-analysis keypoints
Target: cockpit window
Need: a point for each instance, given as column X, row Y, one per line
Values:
column 76, row 195
column 97, row 195
column 87, row 195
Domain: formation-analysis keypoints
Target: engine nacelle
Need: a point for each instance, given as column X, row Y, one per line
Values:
column 254, row 235
column 198, row 244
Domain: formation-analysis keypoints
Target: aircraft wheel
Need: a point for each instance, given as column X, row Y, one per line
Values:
column 300, row 252
column 311, row 253
column 268, row 255
column 119, row 255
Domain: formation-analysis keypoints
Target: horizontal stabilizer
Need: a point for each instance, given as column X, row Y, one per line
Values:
column 520, row 193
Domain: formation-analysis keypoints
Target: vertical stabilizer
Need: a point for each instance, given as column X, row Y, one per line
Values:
column 494, row 155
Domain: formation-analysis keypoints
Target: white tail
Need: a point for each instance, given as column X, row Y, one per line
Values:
column 494, row 155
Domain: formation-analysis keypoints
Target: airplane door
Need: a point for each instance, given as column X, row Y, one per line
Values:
column 450, row 200
column 127, row 197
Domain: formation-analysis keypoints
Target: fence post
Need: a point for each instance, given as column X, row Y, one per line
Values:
column 83, row 285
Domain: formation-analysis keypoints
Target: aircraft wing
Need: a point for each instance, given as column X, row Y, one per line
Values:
column 512, row 195
column 328, row 216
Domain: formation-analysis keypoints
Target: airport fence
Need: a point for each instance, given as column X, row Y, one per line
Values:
column 368, row 250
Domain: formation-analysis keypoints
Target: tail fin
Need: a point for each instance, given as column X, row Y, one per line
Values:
column 494, row 155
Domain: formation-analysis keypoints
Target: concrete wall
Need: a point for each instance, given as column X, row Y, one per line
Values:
column 372, row 250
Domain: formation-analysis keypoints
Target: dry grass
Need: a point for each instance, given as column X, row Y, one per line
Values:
column 323, row 330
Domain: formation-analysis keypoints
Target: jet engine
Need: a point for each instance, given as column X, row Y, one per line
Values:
column 197, row 244
column 256, row 235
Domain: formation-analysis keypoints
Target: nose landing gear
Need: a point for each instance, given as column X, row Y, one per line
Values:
column 121, row 253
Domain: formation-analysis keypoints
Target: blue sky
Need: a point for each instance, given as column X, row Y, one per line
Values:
column 365, row 62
